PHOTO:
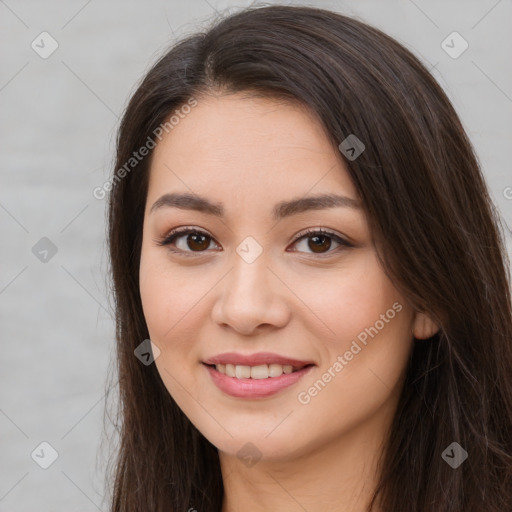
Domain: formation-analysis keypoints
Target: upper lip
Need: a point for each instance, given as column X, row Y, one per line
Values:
column 256, row 359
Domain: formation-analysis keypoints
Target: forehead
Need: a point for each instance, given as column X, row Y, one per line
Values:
column 252, row 150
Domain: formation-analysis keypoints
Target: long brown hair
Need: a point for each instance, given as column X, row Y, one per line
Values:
column 436, row 232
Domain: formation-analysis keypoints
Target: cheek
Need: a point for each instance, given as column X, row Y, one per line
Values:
column 168, row 301
column 366, row 349
column 351, row 300
column 168, row 295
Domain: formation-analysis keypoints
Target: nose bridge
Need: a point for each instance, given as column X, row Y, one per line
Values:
column 250, row 261
column 249, row 275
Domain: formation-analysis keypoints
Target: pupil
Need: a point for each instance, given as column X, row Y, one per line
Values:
column 320, row 245
column 195, row 238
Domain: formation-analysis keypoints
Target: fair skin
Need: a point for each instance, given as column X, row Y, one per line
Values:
column 292, row 300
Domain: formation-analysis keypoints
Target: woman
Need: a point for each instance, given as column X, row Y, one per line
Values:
column 312, row 296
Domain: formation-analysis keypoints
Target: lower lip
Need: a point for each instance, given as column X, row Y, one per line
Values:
column 255, row 388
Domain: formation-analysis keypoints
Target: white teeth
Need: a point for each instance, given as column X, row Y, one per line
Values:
column 242, row 372
column 230, row 370
column 262, row 371
column 274, row 370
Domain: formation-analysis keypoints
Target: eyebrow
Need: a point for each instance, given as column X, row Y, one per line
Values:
column 281, row 210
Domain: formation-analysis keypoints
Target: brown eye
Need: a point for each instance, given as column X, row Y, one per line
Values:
column 196, row 241
column 187, row 241
column 319, row 243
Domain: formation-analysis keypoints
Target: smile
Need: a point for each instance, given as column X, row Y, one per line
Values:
column 259, row 381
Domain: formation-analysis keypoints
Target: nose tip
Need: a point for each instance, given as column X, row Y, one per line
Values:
column 248, row 300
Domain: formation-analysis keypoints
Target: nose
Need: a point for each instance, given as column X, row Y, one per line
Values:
column 251, row 298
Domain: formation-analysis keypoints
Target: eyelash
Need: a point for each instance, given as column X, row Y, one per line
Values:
column 179, row 232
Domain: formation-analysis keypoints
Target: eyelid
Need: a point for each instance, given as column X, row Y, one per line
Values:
column 323, row 231
column 185, row 230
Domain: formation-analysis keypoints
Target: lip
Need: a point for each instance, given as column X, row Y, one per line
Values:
column 255, row 388
column 256, row 359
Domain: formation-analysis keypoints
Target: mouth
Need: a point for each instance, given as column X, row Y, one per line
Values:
column 256, row 376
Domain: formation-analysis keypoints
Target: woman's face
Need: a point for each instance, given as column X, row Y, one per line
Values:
column 249, row 281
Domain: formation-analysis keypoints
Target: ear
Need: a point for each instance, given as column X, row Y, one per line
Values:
column 424, row 327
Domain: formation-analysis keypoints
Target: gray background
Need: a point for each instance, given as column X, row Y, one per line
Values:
column 58, row 122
